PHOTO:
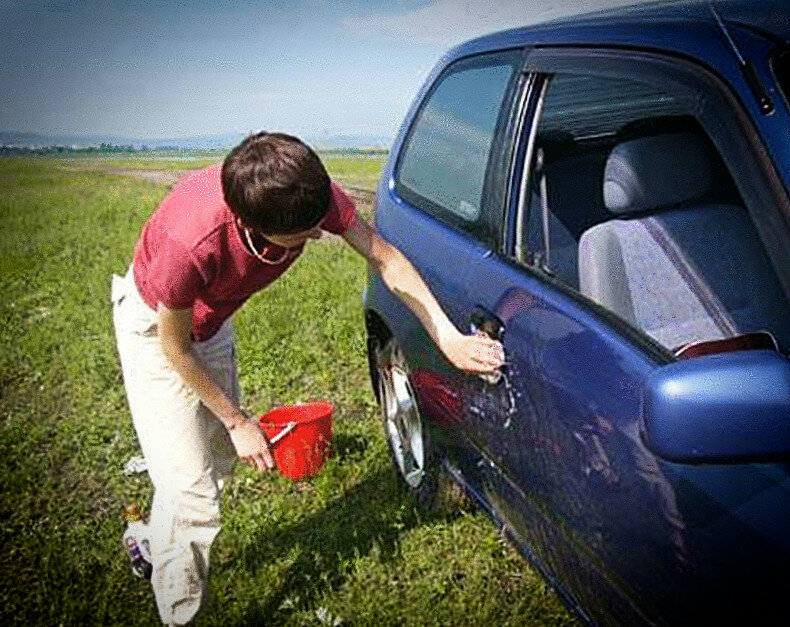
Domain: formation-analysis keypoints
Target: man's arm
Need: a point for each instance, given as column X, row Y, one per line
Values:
column 472, row 353
column 175, row 336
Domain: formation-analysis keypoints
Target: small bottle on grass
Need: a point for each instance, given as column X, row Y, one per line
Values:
column 135, row 542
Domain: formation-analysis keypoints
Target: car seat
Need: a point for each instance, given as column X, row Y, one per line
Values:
column 672, row 264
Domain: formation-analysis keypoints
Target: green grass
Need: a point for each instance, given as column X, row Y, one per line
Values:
column 359, row 171
column 346, row 548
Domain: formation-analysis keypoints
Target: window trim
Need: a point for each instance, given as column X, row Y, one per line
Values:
column 487, row 228
column 537, row 85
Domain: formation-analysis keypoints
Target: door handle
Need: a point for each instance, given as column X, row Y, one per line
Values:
column 483, row 321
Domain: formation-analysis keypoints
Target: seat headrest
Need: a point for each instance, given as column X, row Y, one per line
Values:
column 660, row 171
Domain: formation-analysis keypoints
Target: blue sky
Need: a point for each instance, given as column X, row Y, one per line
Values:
column 152, row 69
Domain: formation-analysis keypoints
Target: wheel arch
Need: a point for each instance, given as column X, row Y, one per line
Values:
column 378, row 334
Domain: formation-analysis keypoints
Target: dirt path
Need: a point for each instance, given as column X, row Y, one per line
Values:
column 165, row 177
column 363, row 198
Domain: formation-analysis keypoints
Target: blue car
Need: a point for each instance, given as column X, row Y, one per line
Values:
column 608, row 196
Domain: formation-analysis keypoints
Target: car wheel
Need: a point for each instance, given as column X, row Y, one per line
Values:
column 409, row 443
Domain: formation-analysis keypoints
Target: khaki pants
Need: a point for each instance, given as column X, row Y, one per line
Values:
column 187, row 449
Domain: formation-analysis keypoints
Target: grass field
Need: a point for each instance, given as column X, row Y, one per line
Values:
column 346, row 548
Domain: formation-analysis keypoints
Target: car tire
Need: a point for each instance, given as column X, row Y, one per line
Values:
column 416, row 462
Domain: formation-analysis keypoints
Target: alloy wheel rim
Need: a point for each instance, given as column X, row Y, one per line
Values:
column 403, row 424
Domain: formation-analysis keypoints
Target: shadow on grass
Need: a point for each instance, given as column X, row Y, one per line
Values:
column 369, row 519
column 349, row 445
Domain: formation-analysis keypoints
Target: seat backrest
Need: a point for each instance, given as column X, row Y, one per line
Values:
column 675, row 266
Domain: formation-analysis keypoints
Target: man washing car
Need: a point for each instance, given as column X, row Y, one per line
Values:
column 223, row 234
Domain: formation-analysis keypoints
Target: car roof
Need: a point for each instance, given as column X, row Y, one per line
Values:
column 652, row 24
column 772, row 17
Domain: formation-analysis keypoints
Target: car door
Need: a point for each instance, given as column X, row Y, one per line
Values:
column 532, row 444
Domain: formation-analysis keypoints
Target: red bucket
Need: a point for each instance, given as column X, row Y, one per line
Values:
column 300, row 436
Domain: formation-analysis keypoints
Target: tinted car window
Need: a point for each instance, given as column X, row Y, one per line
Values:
column 589, row 106
column 443, row 165
column 781, row 65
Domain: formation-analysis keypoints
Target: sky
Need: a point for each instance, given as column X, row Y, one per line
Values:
column 176, row 69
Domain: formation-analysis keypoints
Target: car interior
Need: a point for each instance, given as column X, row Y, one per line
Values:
column 647, row 222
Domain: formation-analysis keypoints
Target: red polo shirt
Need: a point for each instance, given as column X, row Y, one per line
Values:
column 191, row 254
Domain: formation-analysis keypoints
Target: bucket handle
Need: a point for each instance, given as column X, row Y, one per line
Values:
column 286, row 430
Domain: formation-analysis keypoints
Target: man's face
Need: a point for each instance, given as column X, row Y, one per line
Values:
column 287, row 240
column 294, row 240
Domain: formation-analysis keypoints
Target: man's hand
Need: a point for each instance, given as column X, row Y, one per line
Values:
column 251, row 444
column 175, row 328
column 478, row 354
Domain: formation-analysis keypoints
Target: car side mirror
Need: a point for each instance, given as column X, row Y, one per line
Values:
column 720, row 408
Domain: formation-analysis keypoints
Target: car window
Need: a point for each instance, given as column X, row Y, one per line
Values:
column 589, row 106
column 781, row 67
column 443, row 164
column 631, row 206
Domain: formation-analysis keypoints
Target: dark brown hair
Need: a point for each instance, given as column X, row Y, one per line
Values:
column 276, row 183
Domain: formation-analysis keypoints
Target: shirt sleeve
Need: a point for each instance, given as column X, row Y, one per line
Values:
column 341, row 211
column 173, row 277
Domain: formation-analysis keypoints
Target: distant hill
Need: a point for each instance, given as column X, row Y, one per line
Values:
column 225, row 140
column 39, row 140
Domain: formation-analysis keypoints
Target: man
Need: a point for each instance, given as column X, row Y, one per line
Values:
column 220, row 236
